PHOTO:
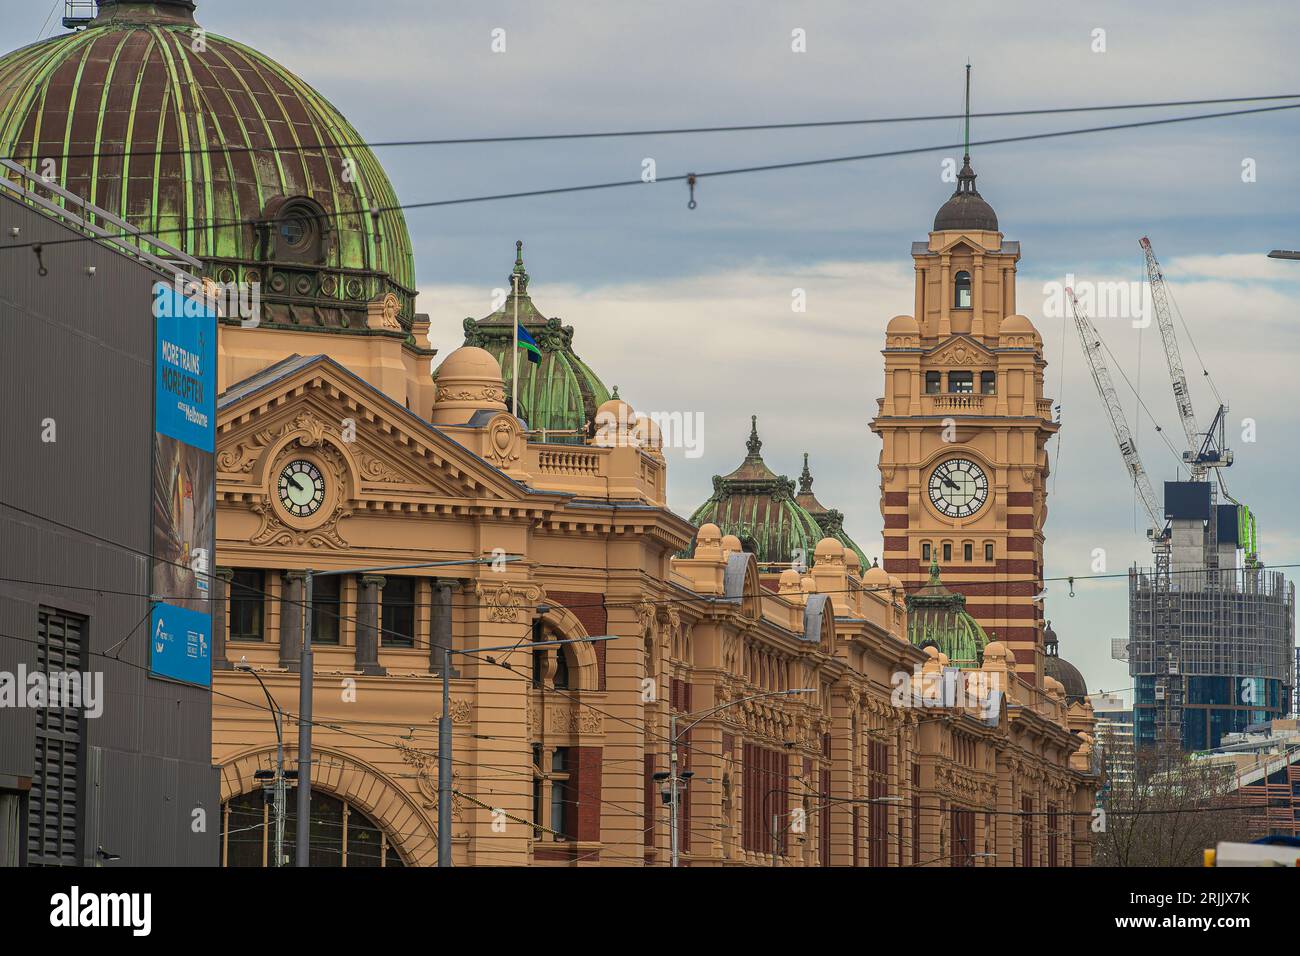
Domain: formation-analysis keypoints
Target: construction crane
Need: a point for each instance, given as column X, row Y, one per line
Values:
column 1206, row 449
column 1092, row 351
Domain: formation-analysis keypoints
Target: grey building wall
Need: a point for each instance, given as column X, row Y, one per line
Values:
column 77, row 349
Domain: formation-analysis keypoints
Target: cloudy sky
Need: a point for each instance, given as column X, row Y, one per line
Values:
column 691, row 310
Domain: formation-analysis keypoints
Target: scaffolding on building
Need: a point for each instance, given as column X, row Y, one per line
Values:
column 1234, row 623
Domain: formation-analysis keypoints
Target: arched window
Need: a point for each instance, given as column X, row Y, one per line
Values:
column 341, row 835
column 961, row 291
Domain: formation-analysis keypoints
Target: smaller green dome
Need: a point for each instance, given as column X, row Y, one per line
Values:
column 561, row 393
column 830, row 519
column 759, row 507
column 938, row 616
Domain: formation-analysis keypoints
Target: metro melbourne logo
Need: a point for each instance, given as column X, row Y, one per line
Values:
column 73, row 909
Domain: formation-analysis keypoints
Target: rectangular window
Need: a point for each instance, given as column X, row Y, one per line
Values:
column 1053, row 836
column 877, row 790
column 963, row 382
column 1026, row 831
column 824, row 820
column 916, row 813
column 326, row 607
column 560, row 793
column 925, row 551
column 537, row 791
column 247, row 620
column 947, row 552
column 963, row 837
column 398, row 612
column 932, row 383
column 989, row 383
column 968, row 552
column 988, row 552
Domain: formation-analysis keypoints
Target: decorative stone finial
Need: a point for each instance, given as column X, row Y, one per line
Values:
column 519, row 268
column 805, row 479
column 754, row 445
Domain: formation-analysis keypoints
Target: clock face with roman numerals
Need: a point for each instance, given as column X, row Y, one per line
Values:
column 301, row 488
column 958, row 487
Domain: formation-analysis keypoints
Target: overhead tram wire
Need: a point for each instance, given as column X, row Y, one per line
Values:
column 666, row 131
column 681, row 177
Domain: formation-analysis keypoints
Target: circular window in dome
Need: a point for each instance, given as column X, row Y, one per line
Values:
column 298, row 231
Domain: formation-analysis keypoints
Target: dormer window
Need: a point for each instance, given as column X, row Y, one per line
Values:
column 961, row 291
column 300, row 226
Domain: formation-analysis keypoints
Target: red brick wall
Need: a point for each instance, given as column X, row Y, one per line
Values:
column 584, row 787
column 590, row 610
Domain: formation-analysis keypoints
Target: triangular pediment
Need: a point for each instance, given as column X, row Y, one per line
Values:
column 387, row 456
column 960, row 351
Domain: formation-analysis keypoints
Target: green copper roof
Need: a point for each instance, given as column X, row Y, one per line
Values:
column 937, row 615
column 830, row 519
column 559, row 393
column 759, row 507
column 174, row 134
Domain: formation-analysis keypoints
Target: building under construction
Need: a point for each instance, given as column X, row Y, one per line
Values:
column 1211, row 646
column 1211, row 638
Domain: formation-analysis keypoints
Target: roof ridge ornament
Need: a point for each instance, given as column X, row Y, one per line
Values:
column 519, row 270
column 805, row 479
column 754, row 444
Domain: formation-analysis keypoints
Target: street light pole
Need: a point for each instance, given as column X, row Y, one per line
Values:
column 444, row 764
column 305, row 672
column 674, row 735
column 279, row 763
column 444, row 731
column 305, row 682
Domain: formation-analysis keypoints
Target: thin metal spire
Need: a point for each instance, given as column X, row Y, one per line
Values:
column 966, row 140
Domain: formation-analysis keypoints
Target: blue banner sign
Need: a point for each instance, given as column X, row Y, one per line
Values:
column 185, row 373
column 180, row 644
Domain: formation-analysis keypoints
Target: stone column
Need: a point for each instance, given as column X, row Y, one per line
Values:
column 368, row 623
column 291, row 618
column 220, row 584
column 440, row 626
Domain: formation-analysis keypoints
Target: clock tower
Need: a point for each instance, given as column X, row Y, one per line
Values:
column 964, row 427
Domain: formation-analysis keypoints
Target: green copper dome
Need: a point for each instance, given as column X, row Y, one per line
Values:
column 830, row 519
column 214, row 148
column 759, row 507
column 938, row 616
column 561, row 393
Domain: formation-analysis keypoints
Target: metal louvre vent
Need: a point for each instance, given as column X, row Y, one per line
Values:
column 53, row 808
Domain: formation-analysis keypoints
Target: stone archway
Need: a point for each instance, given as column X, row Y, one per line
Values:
column 410, row 830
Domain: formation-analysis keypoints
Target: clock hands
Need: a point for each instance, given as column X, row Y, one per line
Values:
column 300, row 481
column 950, row 483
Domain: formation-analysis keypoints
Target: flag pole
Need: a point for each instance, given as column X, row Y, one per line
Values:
column 514, row 378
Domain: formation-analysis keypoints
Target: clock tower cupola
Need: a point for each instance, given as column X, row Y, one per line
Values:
column 964, row 426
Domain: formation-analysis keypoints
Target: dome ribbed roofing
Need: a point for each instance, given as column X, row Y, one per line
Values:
column 192, row 145
column 966, row 210
column 937, row 616
column 759, row 507
column 559, row 393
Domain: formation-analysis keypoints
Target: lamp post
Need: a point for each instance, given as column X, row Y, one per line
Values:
column 305, row 690
column 444, row 728
column 674, row 777
column 243, row 665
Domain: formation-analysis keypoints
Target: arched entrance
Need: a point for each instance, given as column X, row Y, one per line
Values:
column 351, row 800
column 341, row 833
